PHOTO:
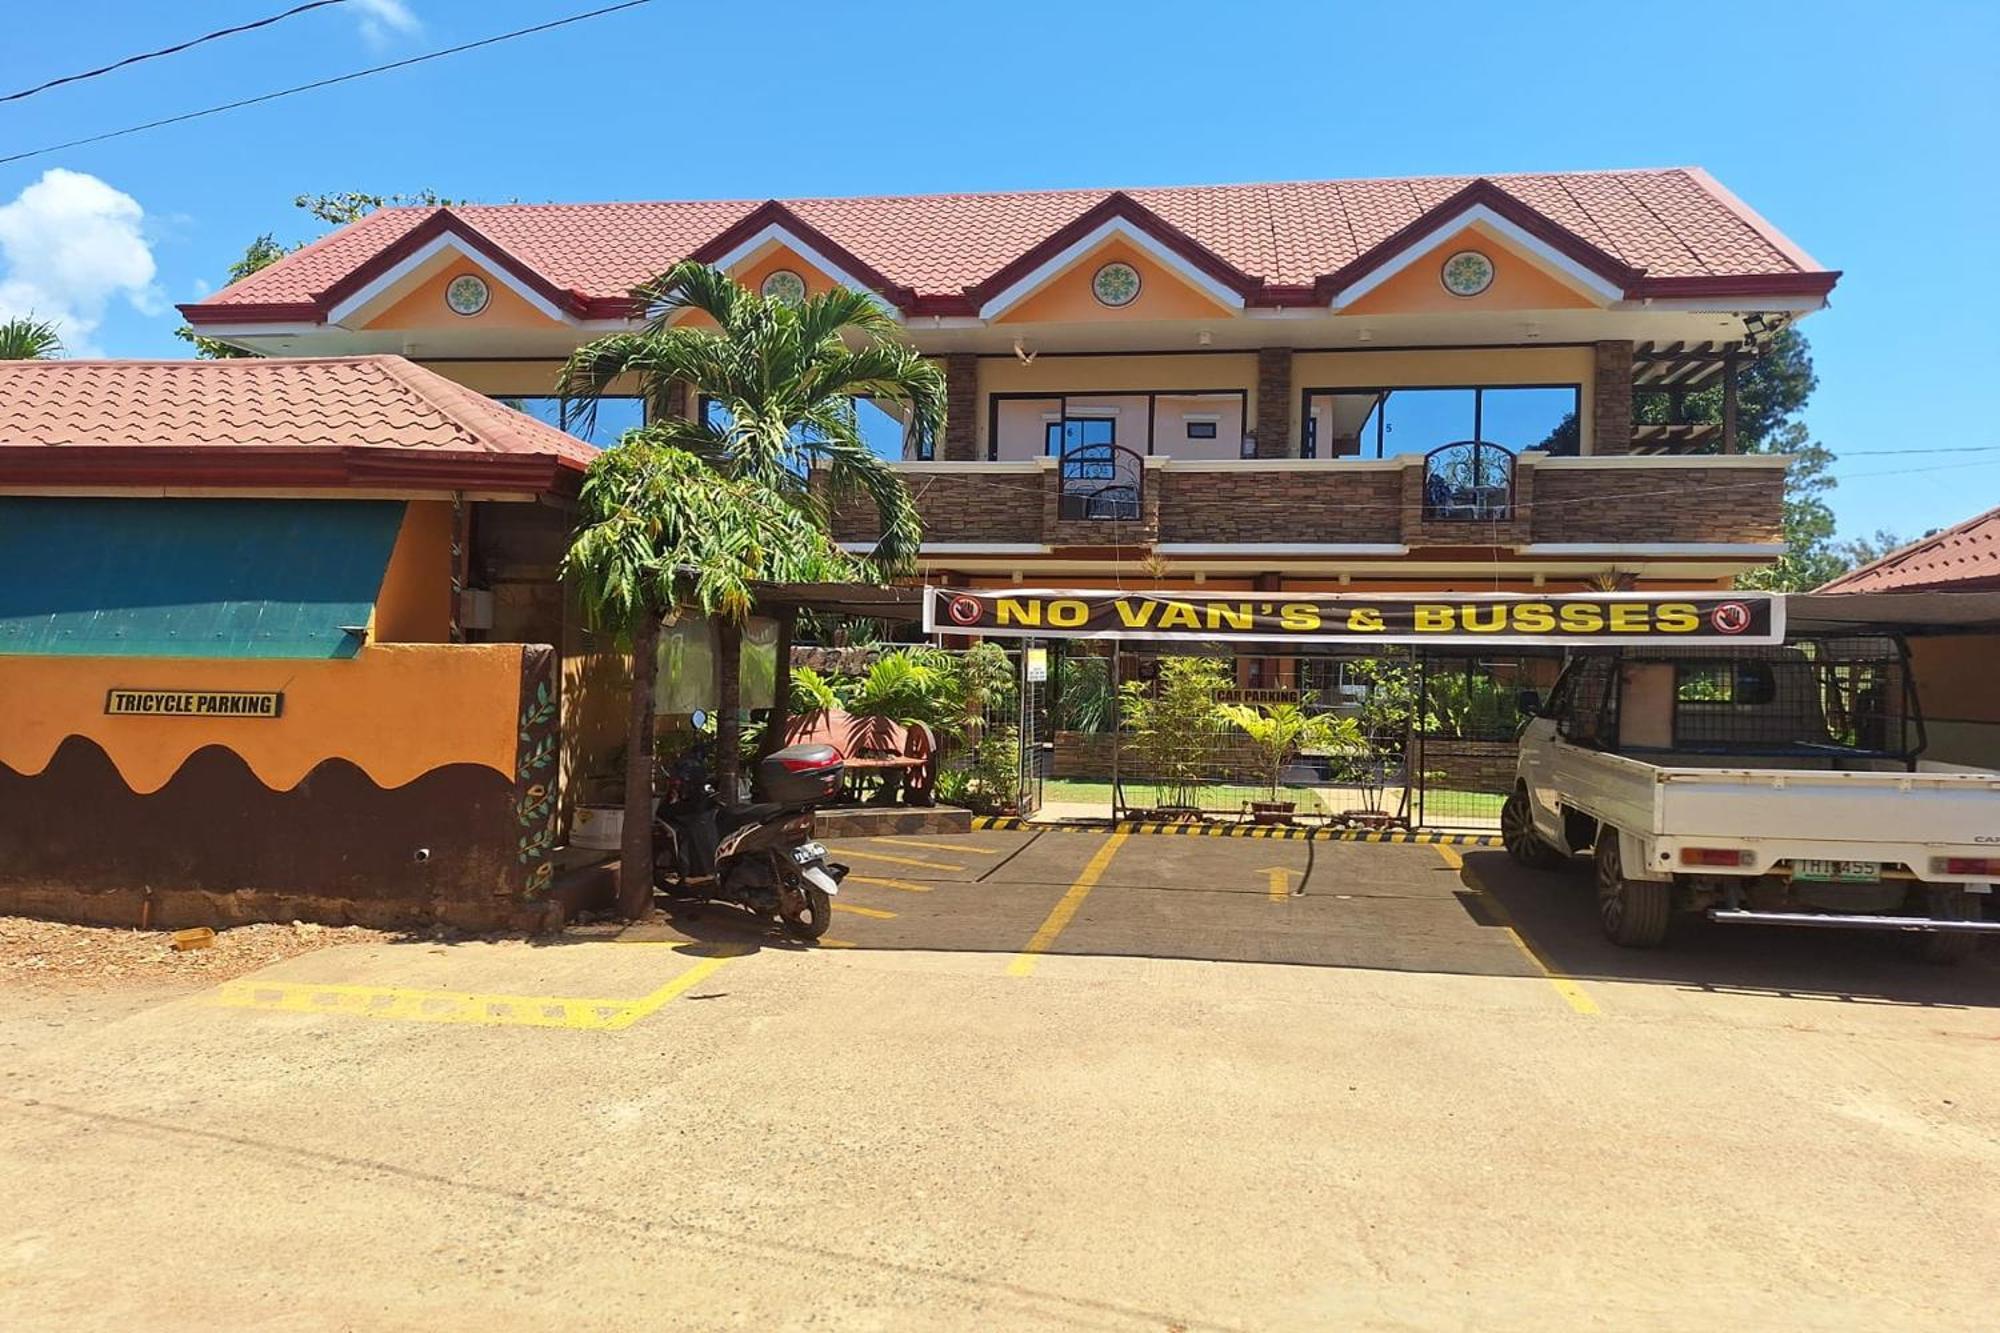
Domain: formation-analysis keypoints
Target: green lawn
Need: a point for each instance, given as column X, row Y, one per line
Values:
column 1229, row 798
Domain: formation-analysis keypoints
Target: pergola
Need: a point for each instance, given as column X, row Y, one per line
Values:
column 783, row 602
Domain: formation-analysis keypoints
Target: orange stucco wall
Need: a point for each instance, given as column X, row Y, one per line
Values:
column 396, row 711
column 508, row 379
column 423, row 306
column 414, row 604
column 1518, row 284
column 1067, row 299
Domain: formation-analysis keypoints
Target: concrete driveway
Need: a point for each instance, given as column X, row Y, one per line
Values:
column 1054, row 1079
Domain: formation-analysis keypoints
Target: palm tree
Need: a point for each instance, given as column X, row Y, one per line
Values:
column 660, row 530
column 777, row 384
column 29, row 339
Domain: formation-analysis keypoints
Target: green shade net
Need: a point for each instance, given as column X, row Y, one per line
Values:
column 191, row 578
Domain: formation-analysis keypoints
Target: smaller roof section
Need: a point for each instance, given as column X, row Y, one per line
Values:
column 335, row 423
column 1965, row 558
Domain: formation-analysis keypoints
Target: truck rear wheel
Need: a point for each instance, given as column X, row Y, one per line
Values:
column 1948, row 946
column 1517, row 834
column 1633, row 912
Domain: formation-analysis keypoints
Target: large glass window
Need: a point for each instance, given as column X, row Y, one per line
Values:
column 882, row 426
column 1191, row 423
column 615, row 415
column 1381, row 423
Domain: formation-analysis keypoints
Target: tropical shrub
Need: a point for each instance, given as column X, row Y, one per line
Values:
column 1281, row 732
column 812, row 693
column 1172, row 723
column 1083, row 694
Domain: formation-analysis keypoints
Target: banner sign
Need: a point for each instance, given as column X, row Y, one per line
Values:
column 194, row 703
column 1556, row 620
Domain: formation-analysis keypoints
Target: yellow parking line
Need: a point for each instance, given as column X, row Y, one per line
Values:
column 902, row 884
column 875, row 912
column 1572, row 992
column 829, row 942
column 417, row 1005
column 1059, row 916
column 684, row 981
column 937, row 846
column 897, row 860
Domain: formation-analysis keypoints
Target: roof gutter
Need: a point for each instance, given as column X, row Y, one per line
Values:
column 285, row 468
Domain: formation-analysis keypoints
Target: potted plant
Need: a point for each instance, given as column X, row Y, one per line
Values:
column 1280, row 733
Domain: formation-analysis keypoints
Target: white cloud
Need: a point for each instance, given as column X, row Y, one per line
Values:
column 382, row 19
column 69, row 246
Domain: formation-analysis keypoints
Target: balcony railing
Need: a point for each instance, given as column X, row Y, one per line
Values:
column 1101, row 482
column 1469, row 481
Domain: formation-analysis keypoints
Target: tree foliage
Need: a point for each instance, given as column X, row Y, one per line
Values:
column 344, row 206
column 659, row 529
column 26, row 338
column 1172, row 723
column 337, row 209
column 781, row 382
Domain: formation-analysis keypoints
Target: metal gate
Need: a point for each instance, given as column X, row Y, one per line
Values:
column 1465, row 725
column 1037, row 738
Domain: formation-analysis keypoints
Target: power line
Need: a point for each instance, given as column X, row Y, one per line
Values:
column 327, row 83
column 1949, row 449
column 168, row 50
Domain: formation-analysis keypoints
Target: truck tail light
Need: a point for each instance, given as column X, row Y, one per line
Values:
column 1715, row 856
column 1967, row 865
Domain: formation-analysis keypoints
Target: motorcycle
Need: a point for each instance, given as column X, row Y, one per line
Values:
column 760, row 856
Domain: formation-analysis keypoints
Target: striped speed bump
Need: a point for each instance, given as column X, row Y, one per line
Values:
column 1284, row 832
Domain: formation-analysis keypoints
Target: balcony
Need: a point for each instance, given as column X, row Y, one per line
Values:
column 1454, row 497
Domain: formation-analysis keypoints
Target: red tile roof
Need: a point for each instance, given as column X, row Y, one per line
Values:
column 309, row 421
column 1965, row 558
column 1676, row 227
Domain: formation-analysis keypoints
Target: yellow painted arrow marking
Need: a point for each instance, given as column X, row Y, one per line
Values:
column 1279, row 877
column 902, row 884
column 899, row 860
column 859, row 910
column 938, row 846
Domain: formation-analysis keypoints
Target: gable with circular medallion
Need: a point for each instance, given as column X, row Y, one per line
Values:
column 467, row 294
column 1115, row 284
column 784, row 286
column 1466, row 273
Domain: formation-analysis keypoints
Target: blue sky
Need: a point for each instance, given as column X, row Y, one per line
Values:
column 1864, row 132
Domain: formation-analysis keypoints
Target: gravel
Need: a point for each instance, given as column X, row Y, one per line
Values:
column 55, row 956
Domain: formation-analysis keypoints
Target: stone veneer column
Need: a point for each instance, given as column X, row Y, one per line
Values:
column 1274, row 402
column 677, row 400
column 961, row 422
column 1611, row 400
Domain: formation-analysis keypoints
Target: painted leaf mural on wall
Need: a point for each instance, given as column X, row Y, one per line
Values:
column 535, row 769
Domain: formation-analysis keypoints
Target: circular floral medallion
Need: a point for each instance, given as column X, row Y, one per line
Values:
column 1467, row 273
column 467, row 294
column 1115, row 284
column 784, row 285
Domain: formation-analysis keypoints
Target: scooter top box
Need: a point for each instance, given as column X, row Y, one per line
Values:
column 802, row 774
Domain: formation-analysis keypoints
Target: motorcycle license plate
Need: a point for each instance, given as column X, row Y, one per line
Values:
column 807, row 852
column 1851, row 871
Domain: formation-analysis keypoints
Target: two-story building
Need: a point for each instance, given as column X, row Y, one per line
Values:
column 1390, row 384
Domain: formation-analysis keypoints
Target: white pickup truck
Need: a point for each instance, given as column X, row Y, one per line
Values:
column 1765, row 786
